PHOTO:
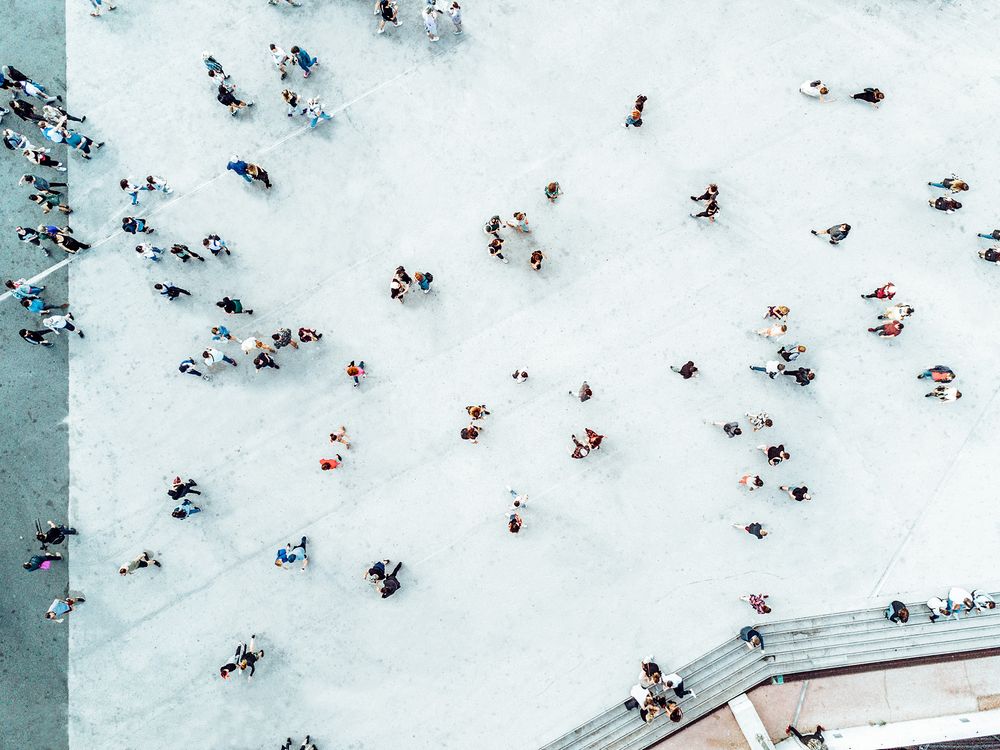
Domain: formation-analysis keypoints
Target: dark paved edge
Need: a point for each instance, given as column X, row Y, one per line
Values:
column 34, row 449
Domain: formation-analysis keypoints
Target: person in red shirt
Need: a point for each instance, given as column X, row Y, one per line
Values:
column 886, row 291
column 329, row 464
column 938, row 373
column 888, row 330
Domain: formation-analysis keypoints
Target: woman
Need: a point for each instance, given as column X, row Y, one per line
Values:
column 581, row 450
column 228, row 98
column 752, row 637
column 80, row 143
column 69, row 243
column 495, row 247
column 233, row 306
column 757, row 602
column 593, row 439
column 470, row 433
column 775, row 331
column 952, row 183
column 872, row 95
column 304, row 60
column 41, row 157
column 15, row 141
column 48, row 201
column 263, row 360
column 493, row 226
column 514, row 523
column 314, row 110
column 838, row 233
column 61, row 607
column 260, row 174
column 815, row 89
column 799, row 494
column 521, row 224
column 132, row 225
column 710, row 194
column 709, row 213
column 292, row 102
column 775, row 453
column 897, row 612
column 938, row 373
column 138, row 563
column 535, row 261
column 553, row 191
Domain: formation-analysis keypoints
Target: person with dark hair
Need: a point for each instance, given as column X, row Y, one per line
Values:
column 390, row 584
column 57, row 323
column 471, row 433
column 813, row 741
column 25, row 110
column 796, row 493
column 519, row 376
column 759, row 421
column 185, row 510
column 329, row 464
column 514, row 523
column 215, row 245
column 585, row 393
column 168, row 290
column 245, row 658
column 938, row 373
column 55, row 534
column 477, row 411
column 495, row 247
column 280, row 59
column 455, row 12
column 753, row 529
column 41, row 562
column 897, row 612
column 945, row 393
column 376, row 572
column 187, row 367
column 21, row 289
column 952, row 183
column 888, row 330
column 710, row 194
column 61, row 607
column 493, row 226
column 237, row 165
column 138, row 563
column 32, row 237
column 803, row 376
column 581, row 450
column 39, row 183
column 676, row 682
column 260, row 174
column 233, row 306
column 752, row 637
column 180, row 488
column 214, row 67
column 791, row 353
column 307, row 743
column 304, row 60
column 775, row 453
column 686, row 371
column 184, row 254
column 289, row 555
column 751, row 481
column 990, row 255
column 133, row 225
column 535, row 261
column 994, row 235
column 553, row 191
column 939, row 608
column 732, row 429
column 387, row 10
column 35, row 338
column 757, row 601
column 227, row 97
column 838, row 233
column 212, row 356
column 708, row 212
column 870, row 95
column 283, row 338
column 40, row 156
column 307, row 335
column 340, row 436
column 943, row 203
column 263, row 360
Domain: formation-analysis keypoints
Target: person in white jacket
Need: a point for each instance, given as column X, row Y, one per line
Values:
column 59, row 323
column 815, row 89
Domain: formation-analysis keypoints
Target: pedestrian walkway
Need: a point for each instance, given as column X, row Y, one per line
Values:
column 808, row 644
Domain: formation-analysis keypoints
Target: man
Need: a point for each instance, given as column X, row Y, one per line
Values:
column 732, row 429
column 35, row 338
column 897, row 612
column 53, row 535
column 42, row 561
column 686, row 371
column 213, row 356
column 58, row 323
column 142, row 561
column 803, row 376
column 171, row 292
column 838, row 233
column 675, row 681
column 772, row 368
column 390, row 585
column 287, row 557
column 39, row 183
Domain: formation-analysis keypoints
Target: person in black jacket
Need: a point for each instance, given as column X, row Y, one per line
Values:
column 897, row 612
column 52, row 535
column 871, row 95
column 752, row 637
column 803, row 376
column 390, row 584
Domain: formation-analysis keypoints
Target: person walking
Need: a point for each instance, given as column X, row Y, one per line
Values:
column 283, row 338
column 390, row 584
column 948, row 205
column 40, row 156
column 21, row 289
column 888, row 330
column 250, row 344
column 424, row 279
column 759, row 420
column 55, row 534
column 280, row 59
column 158, row 183
column 180, row 488
column 675, row 682
column 634, row 118
column 131, row 190
column 710, row 194
column 386, row 9
column 304, row 60
column 185, row 510
column 871, row 95
column 244, row 659
column 814, row 89
column 732, row 429
column 757, row 602
column 214, row 67
column 952, row 183
column 495, row 247
column 939, row 608
column 39, row 183
column 553, row 191
column 519, row 376
column 215, row 245
column 471, row 433
column 775, row 331
column 356, row 372
column 314, row 110
column 263, row 360
column 994, row 235
column 307, row 335
column 753, row 529
column 35, row 338
column 340, row 436
column 184, row 254
column 37, row 305
column 477, row 412
column 226, row 96
column 520, row 223
column 149, row 252
column 838, row 233
column 775, row 453
column 168, row 290
column 455, row 13
column 945, row 393
column 233, row 306
column 708, row 212
column 898, row 312
column 686, row 371
column 803, row 376
column 49, row 200
column 237, row 165
column 493, row 226
column 752, row 637
column 41, row 562
column 307, row 743
column 131, row 225
column 212, row 357
column 585, row 393
column 430, row 14
column 138, row 563
column 535, row 261
column 580, row 450
column 30, row 236
column 751, row 481
column 797, row 493
column 25, row 111
column 897, row 612
column 257, row 172
column 791, row 353
column 292, row 102
column 221, row 333
column 289, row 555
column 61, row 607
column 186, row 367
column 812, row 741
column 57, row 323
column 938, row 373
column 772, row 368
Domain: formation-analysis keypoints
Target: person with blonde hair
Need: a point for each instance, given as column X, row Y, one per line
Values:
column 775, row 331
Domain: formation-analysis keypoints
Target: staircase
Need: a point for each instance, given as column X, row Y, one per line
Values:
column 807, row 644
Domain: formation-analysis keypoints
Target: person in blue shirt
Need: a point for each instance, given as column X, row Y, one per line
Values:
column 37, row 305
column 304, row 60
column 184, row 510
column 214, row 66
column 288, row 556
column 236, row 164
column 134, row 226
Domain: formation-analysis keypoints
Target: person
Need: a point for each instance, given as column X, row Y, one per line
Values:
column 213, row 356
column 942, row 203
column 250, row 344
column 581, row 450
column 244, row 658
column 140, row 561
column 751, row 481
column 58, row 323
column 960, row 600
column 952, row 183
column 455, row 12
column 257, row 172
column 35, row 338
column 471, row 433
column 778, row 312
column 38, row 305
column 21, row 289
column 897, row 612
column 376, row 571
column 514, row 523
column 182, row 488
column 871, row 95
column 287, row 556
column 814, row 89
column 732, row 429
column 390, row 584
column 752, row 637
column 132, row 225
column 49, row 200
column 215, row 245
column 686, row 371
column 519, row 376
column 710, row 194
column 263, row 360
column 980, row 600
column 594, row 440
column 633, row 119
column 307, row 743
column 329, row 464
column 939, row 608
column 398, row 289
column 340, row 436
column 754, row 529
column 520, row 223
column 775, row 331
column 994, row 235
column 24, row 110
column 759, row 421
column 386, row 9
column 803, row 376
column 775, row 453
column 80, row 142
column 945, row 393
column 158, row 183
column 233, row 306
column 553, row 191
column 283, row 338
column 304, row 60
column 708, row 212
column 55, row 534
column 62, row 607
column 477, row 411
column 41, row 562
column 39, row 183
column 495, row 247
column 15, row 141
column 898, row 312
column 535, row 261
column 813, row 741
column 798, row 494
column 430, row 14
column 149, row 252
column 214, row 67
column 585, row 393
column 424, row 279
column 307, row 335
column 791, row 353
column 757, row 602
column 168, row 290
column 184, row 510
column 227, row 96
column 280, row 59
column 40, row 156
column 886, row 291
column 183, row 253
column 68, row 243
column 131, row 190
column 838, row 233
column 676, row 682
column 237, row 165
column 187, row 367
column 888, row 330
column 990, row 255
column 772, row 368
column 493, row 226
column 314, row 110
column 644, row 701
column 356, row 372
column 31, row 237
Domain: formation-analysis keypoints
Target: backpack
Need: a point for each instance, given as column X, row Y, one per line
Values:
column 637, row 123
